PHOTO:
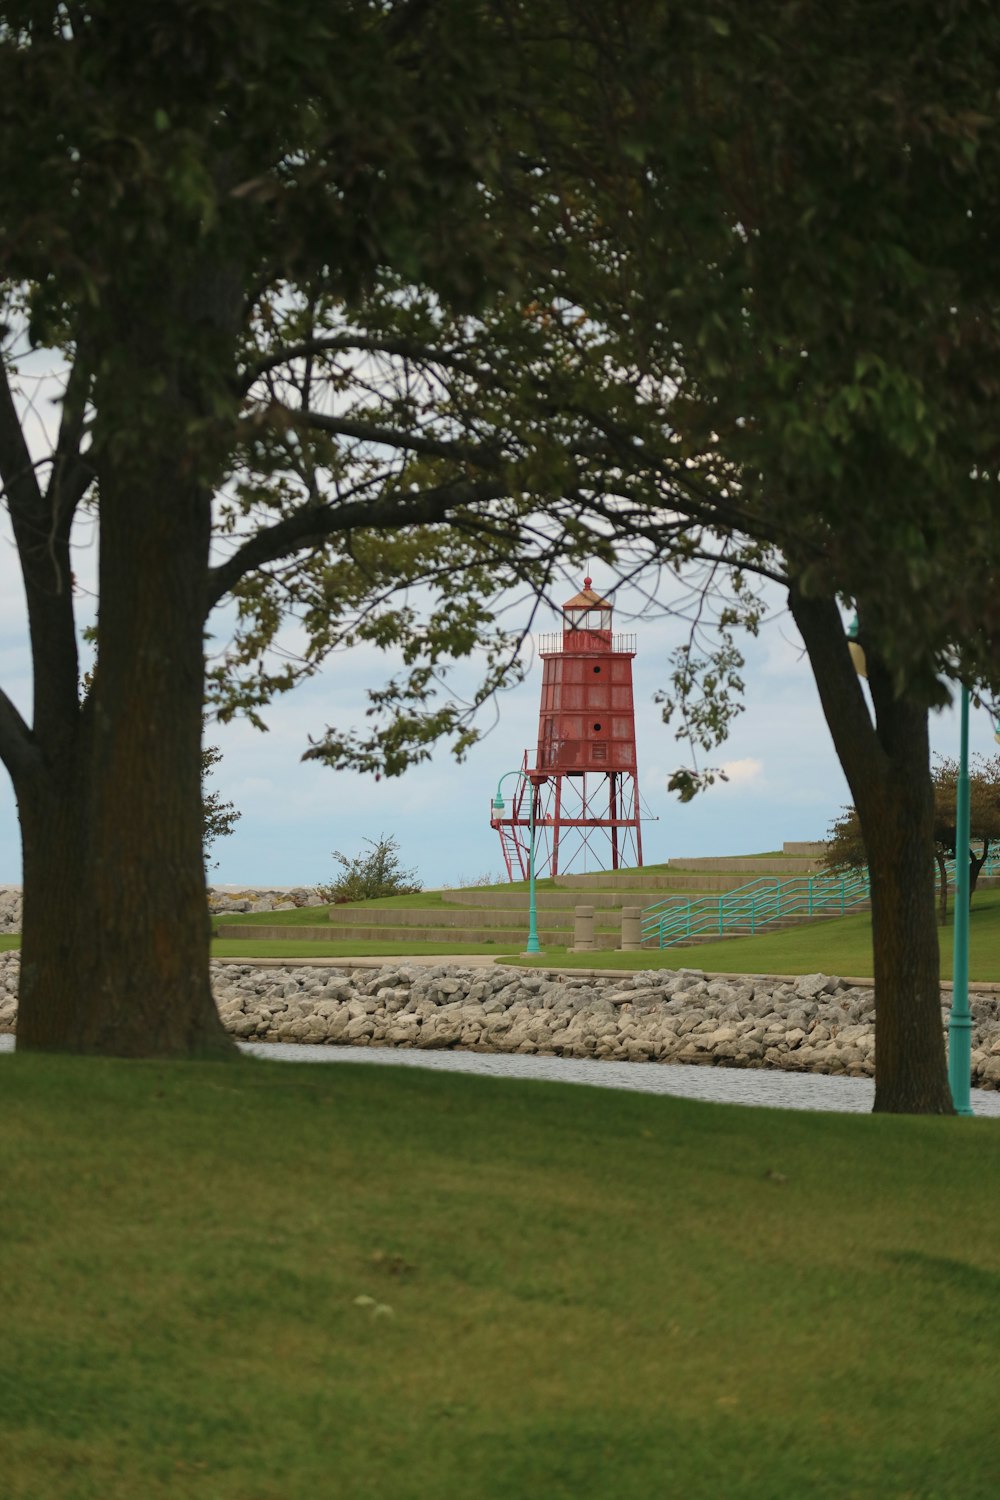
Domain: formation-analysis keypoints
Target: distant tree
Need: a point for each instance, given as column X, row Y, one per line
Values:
column 984, row 818
column 845, row 847
column 218, row 818
column 364, row 876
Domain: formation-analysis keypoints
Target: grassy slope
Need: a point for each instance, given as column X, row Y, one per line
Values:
column 837, row 947
column 843, row 946
column 311, row 915
column 305, row 916
column 592, row 1294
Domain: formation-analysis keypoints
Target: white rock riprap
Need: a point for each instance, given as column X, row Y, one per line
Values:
column 220, row 898
column 260, row 898
column 813, row 1024
column 10, row 908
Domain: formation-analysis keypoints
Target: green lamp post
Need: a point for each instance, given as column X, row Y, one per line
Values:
column 533, row 945
column 960, row 1019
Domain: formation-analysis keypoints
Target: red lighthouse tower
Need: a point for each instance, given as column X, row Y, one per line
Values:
column 584, row 783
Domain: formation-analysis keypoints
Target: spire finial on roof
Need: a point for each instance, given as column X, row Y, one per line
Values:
column 587, row 583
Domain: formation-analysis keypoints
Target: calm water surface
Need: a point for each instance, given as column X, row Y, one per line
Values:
column 753, row 1086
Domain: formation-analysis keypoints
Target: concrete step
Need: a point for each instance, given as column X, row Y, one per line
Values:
column 762, row 929
column 420, row 937
column 456, row 918
column 778, row 865
column 563, row 900
column 790, row 919
column 655, row 886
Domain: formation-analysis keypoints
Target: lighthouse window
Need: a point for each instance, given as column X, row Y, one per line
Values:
column 597, row 669
column 597, row 728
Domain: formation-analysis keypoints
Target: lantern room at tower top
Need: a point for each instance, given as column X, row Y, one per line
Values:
column 582, row 789
column 587, row 716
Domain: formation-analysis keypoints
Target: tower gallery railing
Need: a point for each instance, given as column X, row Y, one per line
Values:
column 585, row 640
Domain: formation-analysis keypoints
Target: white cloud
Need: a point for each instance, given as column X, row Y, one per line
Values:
column 742, row 772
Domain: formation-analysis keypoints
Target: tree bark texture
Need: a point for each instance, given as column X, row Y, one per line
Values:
column 115, row 941
column 887, row 764
column 115, row 938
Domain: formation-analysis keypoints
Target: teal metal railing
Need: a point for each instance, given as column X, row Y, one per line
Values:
column 751, row 907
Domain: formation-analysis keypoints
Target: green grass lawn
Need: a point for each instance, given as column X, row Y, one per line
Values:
column 250, row 948
column 305, row 916
column 841, row 946
column 266, row 1281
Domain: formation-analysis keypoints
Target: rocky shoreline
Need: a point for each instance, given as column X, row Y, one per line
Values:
column 10, row 909
column 231, row 898
column 225, row 898
column 815, row 1023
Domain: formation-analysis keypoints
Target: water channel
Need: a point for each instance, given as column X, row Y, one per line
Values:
column 753, row 1086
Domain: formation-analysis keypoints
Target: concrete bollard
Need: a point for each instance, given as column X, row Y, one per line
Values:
column 631, row 936
column 583, row 929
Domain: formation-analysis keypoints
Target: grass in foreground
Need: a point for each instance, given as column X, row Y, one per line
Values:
column 267, row 1281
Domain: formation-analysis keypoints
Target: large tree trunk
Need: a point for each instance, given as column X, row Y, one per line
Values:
column 898, row 827
column 115, row 941
column 887, row 765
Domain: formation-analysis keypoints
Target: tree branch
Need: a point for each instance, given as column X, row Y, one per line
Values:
column 312, row 526
column 347, row 343
column 18, row 750
column 16, row 468
column 42, row 541
column 390, row 437
column 71, row 475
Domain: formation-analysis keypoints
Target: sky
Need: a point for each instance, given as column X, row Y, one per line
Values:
column 785, row 782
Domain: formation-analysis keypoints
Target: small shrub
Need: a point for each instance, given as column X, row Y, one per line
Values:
column 364, row 877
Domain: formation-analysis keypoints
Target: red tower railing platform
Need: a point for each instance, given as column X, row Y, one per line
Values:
column 584, row 779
